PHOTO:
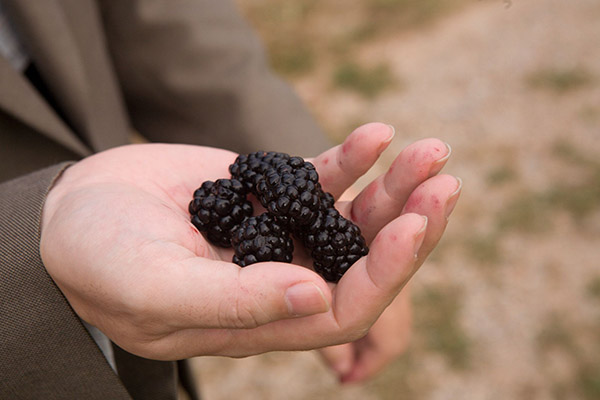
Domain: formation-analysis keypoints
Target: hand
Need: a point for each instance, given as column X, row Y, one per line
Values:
column 117, row 240
column 410, row 186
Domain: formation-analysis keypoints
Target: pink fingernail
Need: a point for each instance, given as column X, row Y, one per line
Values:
column 453, row 199
column 437, row 166
column 391, row 135
column 384, row 144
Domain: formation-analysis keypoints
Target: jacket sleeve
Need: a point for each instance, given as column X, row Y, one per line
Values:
column 195, row 72
column 45, row 351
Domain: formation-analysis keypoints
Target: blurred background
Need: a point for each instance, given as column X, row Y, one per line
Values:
column 508, row 306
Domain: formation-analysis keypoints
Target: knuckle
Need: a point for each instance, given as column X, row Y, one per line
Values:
column 242, row 310
column 245, row 317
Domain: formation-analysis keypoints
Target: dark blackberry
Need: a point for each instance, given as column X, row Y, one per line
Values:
column 288, row 187
column 218, row 207
column 248, row 168
column 290, row 190
column 259, row 239
column 327, row 200
column 334, row 242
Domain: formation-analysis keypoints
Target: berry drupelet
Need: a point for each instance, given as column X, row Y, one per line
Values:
column 218, row 207
column 261, row 238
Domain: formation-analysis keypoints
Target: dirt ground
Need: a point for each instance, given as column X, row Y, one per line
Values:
column 508, row 307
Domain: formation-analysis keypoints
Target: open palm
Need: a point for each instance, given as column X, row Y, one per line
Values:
column 117, row 240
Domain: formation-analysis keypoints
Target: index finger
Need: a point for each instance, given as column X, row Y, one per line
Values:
column 340, row 166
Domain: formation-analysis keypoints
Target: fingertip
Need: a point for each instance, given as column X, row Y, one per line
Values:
column 344, row 366
column 392, row 255
column 417, row 162
column 432, row 195
column 392, row 134
column 401, row 228
column 416, row 226
column 437, row 165
column 340, row 166
column 340, row 358
column 376, row 134
column 363, row 147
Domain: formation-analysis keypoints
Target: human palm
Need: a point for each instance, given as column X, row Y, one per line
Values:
column 117, row 240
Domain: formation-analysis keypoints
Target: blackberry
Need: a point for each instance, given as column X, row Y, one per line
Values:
column 327, row 200
column 288, row 187
column 290, row 190
column 334, row 242
column 261, row 238
column 218, row 207
column 249, row 168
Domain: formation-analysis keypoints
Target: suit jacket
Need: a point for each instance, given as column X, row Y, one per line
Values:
column 174, row 71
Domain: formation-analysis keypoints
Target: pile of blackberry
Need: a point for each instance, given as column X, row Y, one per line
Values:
column 289, row 189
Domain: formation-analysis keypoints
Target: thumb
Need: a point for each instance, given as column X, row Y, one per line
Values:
column 218, row 294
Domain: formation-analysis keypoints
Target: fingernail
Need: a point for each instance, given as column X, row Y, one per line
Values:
column 437, row 166
column 304, row 299
column 391, row 135
column 384, row 144
column 451, row 202
column 420, row 236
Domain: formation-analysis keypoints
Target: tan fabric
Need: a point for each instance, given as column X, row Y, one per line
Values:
column 175, row 71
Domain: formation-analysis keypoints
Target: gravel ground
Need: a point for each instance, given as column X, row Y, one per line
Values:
column 508, row 306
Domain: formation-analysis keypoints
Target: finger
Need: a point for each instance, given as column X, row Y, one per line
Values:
column 436, row 199
column 339, row 358
column 384, row 198
column 377, row 278
column 386, row 341
column 340, row 166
